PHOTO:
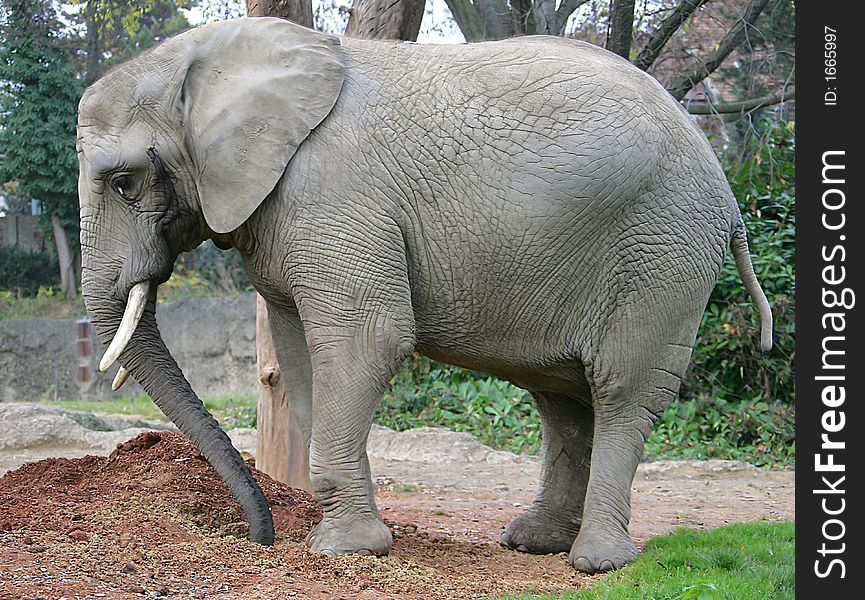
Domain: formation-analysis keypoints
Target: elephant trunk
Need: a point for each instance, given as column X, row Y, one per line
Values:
column 152, row 365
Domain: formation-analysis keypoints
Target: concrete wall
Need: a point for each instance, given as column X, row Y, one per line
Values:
column 212, row 339
column 22, row 231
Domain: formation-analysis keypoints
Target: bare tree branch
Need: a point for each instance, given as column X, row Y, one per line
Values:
column 669, row 26
column 708, row 108
column 550, row 21
column 522, row 17
column 686, row 82
column 621, row 33
column 566, row 9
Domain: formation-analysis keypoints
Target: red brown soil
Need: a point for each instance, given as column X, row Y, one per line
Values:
column 154, row 519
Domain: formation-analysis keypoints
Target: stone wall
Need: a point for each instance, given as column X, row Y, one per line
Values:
column 212, row 339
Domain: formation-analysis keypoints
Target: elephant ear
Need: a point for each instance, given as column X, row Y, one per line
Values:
column 254, row 90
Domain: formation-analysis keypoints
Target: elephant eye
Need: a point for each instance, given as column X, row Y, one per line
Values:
column 123, row 185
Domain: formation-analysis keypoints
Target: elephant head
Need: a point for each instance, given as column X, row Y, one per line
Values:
column 177, row 146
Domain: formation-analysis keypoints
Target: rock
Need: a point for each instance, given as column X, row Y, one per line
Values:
column 244, row 439
column 433, row 445
column 29, row 426
column 692, row 468
column 424, row 444
column 78, row 535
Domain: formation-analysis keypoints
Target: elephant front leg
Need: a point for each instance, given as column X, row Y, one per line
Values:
column 354, row 300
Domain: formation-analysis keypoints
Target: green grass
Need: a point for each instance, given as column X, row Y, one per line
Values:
column 744, row 561
column 231, row 412
column 44, row 306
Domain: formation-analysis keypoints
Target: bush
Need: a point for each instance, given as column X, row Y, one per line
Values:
column 427, row 393
column 206, row 271
column 727, row 363
column 23, row 272
column 220, row 270
column 760, row 433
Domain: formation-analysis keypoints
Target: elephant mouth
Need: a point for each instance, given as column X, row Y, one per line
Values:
column 135, row 304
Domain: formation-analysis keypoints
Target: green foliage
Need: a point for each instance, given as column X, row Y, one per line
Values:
column 23, row 273
column 760, row 433
column 113, row 17
column 123, row 29
column 161, row 20
column 39, row 94
column 727, row 363
column 206, row 271
column 426, row 393
column 183, row 285
column 701, row 590
column 221, row 270
column 141, row 406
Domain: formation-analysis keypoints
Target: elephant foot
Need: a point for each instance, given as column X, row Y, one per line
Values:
column 597, row 550
column 362, row 535
column 536, row 533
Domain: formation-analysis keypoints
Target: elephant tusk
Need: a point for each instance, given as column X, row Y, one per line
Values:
column 119, row 379
column 134, row 309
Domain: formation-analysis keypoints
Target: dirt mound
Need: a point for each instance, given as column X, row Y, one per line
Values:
column 158, row 473
column 155, row 519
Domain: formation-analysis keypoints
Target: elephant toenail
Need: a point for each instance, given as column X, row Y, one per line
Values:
column 328, row 552
column 363, row 552
column 606, row 565
column 583, row 564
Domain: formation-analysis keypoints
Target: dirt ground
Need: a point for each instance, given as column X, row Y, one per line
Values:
column 154, row 520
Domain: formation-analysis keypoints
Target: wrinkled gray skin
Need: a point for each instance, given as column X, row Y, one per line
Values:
column 535, row 208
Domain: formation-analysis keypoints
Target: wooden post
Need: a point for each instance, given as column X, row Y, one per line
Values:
column 280, row 449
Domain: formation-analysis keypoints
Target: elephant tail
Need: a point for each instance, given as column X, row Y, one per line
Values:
column 739, row 245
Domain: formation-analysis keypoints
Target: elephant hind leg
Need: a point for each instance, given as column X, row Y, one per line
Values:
column 552, row 523
column 629, row 394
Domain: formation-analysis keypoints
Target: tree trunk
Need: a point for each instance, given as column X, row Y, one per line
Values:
column 68, row 282
column 621, row 28
column 281, row 451
column 298, row 11
column 385, row 19
column 92, row 69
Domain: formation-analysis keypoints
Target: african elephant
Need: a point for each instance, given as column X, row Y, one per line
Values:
column 534, row 208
